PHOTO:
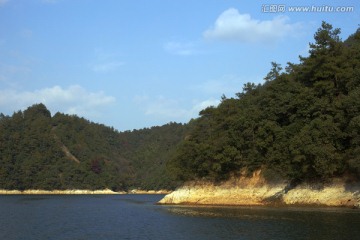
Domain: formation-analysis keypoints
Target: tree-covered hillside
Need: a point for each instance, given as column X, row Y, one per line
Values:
column 38, row 151
column 302, row 124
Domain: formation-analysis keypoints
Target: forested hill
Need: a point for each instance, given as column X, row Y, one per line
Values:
column 301, row 124
column 40, row 151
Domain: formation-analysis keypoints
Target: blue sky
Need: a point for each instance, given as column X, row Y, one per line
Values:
column 132, row 64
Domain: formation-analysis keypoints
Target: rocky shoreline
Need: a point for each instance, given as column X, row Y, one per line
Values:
column 139, row 191
column 78, row 192
column 255, row 191
column 57, row 192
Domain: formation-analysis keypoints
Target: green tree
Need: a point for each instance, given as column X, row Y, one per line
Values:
column 274, row 72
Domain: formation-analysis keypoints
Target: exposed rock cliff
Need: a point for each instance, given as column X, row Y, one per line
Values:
column 256, row 191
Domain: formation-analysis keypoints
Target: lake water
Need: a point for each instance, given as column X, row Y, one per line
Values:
column 137, row 217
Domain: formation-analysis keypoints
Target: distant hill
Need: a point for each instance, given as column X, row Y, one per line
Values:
column 38, row 151
column 302, row 124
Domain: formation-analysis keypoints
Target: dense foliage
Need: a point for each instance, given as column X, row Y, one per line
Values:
column 302, row 124
column 38, row 151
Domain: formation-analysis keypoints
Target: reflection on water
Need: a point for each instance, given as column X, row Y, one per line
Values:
column 227, row 212
column 259, row 212
column 278, row 222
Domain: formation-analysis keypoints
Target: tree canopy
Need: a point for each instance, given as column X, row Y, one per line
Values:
column 302, row 124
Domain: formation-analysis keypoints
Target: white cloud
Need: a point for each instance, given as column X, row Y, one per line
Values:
column 165, row 108
column 217, row 87
column 228, row 84
column 71, row 100
column 233, row 26
column 107, row 67
column 178, row 48
column 172, row 109
column 204, row 104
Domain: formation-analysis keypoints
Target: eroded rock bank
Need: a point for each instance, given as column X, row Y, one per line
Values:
column 256, row 191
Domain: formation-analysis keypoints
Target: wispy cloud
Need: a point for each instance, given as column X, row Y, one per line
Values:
column 107, row 67
column 72, row 100
column 105, row 61
column 9, row 73
column 13, row 69
column 180, row 48
column 234, row 26
column 50, row 1
column 3, row 2
column 26, row 33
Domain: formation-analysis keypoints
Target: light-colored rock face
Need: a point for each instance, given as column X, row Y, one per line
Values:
column 241, row 191
column 255, row 191
column 331, row 195
column 216, row 195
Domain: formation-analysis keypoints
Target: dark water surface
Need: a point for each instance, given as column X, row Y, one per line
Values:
column 137, row 217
